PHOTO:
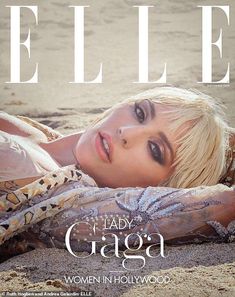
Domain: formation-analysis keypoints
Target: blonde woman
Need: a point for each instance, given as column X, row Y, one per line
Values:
column 161, row 144
column 166, row 136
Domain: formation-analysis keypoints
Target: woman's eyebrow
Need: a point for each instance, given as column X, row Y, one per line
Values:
column 152, row 109
column 168, row 144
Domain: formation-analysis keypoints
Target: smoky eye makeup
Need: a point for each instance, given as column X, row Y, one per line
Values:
column 140, row 112
column 157, row 153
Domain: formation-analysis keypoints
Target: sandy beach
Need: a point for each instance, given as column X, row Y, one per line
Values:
column 111, row 38
column 194, row 270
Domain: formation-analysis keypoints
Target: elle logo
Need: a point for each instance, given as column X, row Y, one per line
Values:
column 143, row 75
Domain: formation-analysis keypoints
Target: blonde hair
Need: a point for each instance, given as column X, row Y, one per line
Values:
column 200, row 157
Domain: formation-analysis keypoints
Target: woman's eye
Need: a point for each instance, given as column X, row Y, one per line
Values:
column 156, row 152
column 139, row 113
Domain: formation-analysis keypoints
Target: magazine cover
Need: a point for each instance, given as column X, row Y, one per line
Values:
column 117, row 147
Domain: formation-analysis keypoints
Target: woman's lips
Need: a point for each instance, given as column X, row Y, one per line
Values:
column 105, row 155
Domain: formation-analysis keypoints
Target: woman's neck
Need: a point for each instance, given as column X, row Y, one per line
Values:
column 62, row 149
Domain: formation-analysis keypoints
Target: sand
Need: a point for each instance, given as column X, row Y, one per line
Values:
column 193, row 270
column 111, row 37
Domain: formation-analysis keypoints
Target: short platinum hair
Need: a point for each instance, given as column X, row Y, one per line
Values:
column 200, row 157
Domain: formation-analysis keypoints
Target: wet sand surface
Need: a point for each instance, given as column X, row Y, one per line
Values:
column 111, row 37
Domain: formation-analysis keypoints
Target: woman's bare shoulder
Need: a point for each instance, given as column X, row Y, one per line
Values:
column 15, row 126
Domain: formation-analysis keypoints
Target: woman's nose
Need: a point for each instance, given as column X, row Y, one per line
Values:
column 129, row 135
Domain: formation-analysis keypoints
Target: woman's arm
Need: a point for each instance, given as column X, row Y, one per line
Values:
column 201, row 213
column 184, row 215
column 14, row 125
column 17, row 168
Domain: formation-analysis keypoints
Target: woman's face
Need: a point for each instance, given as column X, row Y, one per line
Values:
column 131, row 147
